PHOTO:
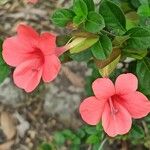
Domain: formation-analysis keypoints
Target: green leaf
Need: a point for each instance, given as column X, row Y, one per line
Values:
column 139, row 38
column 90, row 5
column 81, row 11
column 4, row 68
column 62, row 17
column 103, row 48
column 144, row 10
column 83, row 43
column 45, row 146
column 143, row 73
column 82, row 56
column 95, row 22
column 90, row 130
column 62, row 40
column 134, row 53
column 113, row 16
column 77, row 20
column 132, row 20
column 59, row 138
column 93, row 139
column 137, row 132
column 119, row 41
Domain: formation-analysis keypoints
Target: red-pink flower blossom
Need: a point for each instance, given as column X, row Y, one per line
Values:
column 115, row 104
column 34, row 56
column 33, row 1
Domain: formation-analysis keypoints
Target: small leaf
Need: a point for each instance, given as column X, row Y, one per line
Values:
column 143, row 73
column 113, row 16
column 144, row 10
column 59, row 138
column 81, row 11
column 90, row 5
column 134, row 53
column 132, row 20
column 62, row 17
column 139, row 38
column 45, row 146
column 77, row 20
column 137, row 132
column 119, row 40
column 93, row 139
column 103, row 48
column 94, row 23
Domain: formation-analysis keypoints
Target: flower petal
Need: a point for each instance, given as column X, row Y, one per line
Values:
column 118, row 123
column 26, row 77
column 28, row 35
column 60, row 50
column 47, row 43
column 126, row 83
column 103, row 88
column 137, row 104
column 91, row 110
column 15, row 52
column 51, row 68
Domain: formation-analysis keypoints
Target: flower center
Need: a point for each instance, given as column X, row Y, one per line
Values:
column 38, row 59
column 112, row 108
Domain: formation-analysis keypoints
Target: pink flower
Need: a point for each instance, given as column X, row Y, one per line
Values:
column 34, row 56
column 33, row 1
column 115, row 104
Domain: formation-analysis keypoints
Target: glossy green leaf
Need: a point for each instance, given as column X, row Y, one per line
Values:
column 144, row 10
column 103, row 48
column 143, row 73
column 81, row 11
column 93, row 139
column 95, row 22
column 62, row 17
column 90, row 5
column 139, row 38
column 113, row 16
column 137, row 132
column 134, row 53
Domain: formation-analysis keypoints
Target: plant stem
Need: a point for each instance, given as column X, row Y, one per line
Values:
column 108, row 33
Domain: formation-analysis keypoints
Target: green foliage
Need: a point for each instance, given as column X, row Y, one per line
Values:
column 143, row 73
column 81, row 11
column 94, row 23
column 90, row 5
column 134, row 53
column 113, row 16
column 139, row 38
column 62, row 17
column 4, row 68
column 103, row 48
column 82, row 56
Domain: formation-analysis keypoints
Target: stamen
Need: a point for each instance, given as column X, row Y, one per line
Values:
column 113, row 109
